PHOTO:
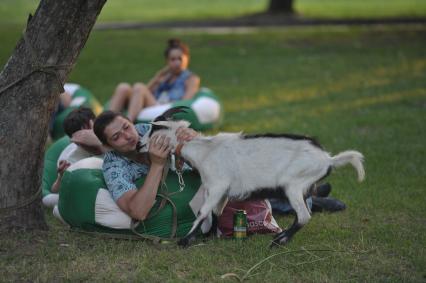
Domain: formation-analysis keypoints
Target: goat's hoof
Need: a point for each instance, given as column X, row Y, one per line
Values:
column 279, row 240
column 185, row 242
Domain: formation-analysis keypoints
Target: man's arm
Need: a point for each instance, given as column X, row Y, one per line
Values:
column 63, row 165
column 87, row 139
column 138, row 203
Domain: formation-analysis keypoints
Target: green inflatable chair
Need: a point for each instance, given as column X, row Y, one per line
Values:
column 85, row 204
column 205, row 111
column 50, row 170
column 80, row 97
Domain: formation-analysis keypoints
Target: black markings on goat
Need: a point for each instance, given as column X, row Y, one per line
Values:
column 168, row 115
column 157, row 128
column 313, row 141
column 263, row 193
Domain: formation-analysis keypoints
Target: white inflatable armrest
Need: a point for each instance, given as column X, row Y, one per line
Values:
column 58, row 215
column 108, row 214
column 50, row 200
column 78, row 101
column 87, row 163
column 207, row 109
column 71, row 88
column 149, row 113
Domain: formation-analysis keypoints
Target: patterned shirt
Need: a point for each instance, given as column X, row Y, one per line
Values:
column 120, row 173
column 169, row 92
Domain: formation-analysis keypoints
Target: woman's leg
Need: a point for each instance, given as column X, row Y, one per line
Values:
column 142, row 97
column 121, row 96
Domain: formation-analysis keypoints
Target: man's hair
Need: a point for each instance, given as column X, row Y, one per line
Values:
column 102, row 121
column 77, row 120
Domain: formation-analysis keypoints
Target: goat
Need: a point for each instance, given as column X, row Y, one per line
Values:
column 238, row 166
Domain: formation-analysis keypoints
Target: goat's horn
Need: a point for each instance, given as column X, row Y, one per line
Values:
column 168, row 115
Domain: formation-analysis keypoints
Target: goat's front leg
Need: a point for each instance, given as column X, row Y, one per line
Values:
column 295, row 197
column 211, row 202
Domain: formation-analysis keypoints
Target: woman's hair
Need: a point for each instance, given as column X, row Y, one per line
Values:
column 175, row 43
column 102, row 121
column 77, row 120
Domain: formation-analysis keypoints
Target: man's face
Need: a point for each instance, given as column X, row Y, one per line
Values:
column 121, row 135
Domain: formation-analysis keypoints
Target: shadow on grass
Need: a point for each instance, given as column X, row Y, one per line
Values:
column 260, row 20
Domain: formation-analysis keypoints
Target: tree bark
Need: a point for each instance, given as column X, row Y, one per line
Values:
column 54, row 36
column 281, row 6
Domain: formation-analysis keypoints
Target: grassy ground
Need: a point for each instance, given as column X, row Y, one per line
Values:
column 361, row 88
column 13, row 11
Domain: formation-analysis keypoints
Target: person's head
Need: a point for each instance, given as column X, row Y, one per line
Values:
column 78, row 119
column 177, row 55
column 116, row 131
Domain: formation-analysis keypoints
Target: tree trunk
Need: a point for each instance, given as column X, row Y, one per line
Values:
column 54, row 36
column 281, row 6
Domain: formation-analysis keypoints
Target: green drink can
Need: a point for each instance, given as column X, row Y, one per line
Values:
column 240, row 224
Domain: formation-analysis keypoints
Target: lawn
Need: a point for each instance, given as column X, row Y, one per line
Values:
column 13, row 11
column 358, row 88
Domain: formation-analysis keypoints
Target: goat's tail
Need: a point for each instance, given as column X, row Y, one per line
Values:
column 353, row 157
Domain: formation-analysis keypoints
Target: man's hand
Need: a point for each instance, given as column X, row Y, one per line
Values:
column 63, row 165
column 185, row 134
column 159, row 149
column 88, row 140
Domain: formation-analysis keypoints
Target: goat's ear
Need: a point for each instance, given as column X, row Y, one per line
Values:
column 168, row 115
column 156, row 126
column 161, row 123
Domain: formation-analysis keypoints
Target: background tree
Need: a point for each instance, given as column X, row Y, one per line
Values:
column 29, row 86
column 281, row 6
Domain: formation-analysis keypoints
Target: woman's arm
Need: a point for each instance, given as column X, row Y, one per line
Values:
column 192, row 85
column 161, row 76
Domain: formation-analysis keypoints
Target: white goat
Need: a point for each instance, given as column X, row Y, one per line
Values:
column 242, row 166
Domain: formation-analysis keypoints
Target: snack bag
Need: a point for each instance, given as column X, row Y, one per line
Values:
column 259, row 218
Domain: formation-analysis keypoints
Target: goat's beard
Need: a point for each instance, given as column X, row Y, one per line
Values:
column 139, row 146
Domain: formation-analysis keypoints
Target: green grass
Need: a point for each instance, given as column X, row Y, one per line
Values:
column 360, row 8
column 16, row 11
column 360, row 88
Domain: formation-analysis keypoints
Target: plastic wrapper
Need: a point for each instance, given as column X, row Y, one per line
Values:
column 259, row 218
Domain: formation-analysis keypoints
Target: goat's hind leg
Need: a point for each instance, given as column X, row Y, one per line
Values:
column 302, row 217
column 210, row 203
column 192, row 235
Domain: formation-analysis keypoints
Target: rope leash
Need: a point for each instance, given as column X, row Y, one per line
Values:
column 165, row 195
column 24, row 203
column 51, row 69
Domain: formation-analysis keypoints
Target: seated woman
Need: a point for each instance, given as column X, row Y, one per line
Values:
column 173, row 82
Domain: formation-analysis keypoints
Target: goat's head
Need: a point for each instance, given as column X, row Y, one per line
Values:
column 164, row 125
